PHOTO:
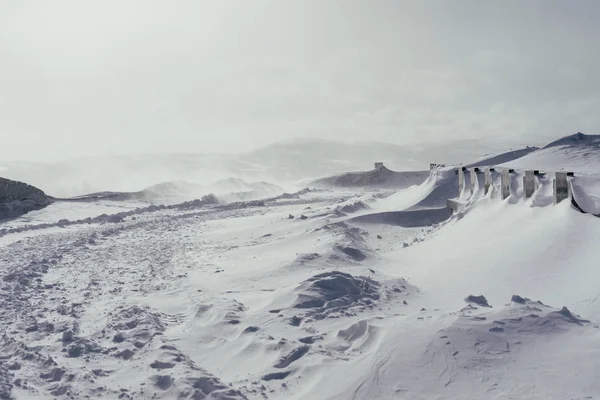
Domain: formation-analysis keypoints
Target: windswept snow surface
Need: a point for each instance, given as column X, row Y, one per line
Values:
column 228, row 190
column 295, row 298
column 573, row 153
column 576, row 153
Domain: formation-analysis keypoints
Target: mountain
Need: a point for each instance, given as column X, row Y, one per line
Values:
column 306, row 158
column 281, row 163
column 576, row 140
column 578, row 152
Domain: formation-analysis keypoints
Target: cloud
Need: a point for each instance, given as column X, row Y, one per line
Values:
column 146, row 76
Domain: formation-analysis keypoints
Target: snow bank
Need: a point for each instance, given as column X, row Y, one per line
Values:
column 586, row 193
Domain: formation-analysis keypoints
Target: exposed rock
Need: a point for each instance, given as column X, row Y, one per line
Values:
column 518, row 299
column 126, row 354
column 67, row 337
column 479, row 300
column 381, row 177
column 569, row 316
column 355, row 254
column 295, row 355
column 276, row 376
column 163, row 382
column 18, row 198
column 307, row 340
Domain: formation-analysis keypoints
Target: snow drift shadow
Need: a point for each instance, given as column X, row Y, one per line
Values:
column 408, row 218
column 335, row 293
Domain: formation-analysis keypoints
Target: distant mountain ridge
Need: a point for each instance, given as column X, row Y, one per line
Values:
column 378, row 178
column 283, row 163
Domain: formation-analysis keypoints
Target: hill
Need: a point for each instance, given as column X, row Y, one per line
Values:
column 18, row 198
column 578, row 153
column 381, row 178
column 281, row 163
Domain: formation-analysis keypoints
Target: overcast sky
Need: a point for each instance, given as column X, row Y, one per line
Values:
column 120, row 76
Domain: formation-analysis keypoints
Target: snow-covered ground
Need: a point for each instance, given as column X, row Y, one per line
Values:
column 300, row 298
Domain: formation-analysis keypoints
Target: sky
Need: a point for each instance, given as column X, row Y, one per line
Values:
column 89, row 78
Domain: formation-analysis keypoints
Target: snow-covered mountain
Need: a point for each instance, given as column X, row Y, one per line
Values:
column 578, row 152
column 282, row 163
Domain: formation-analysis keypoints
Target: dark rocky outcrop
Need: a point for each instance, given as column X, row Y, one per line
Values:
column 479, row 300
column 377, row 178
column 18, row 198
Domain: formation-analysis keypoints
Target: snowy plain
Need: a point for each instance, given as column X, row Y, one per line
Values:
column 298, row 297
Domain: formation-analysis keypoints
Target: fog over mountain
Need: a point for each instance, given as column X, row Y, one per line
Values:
column 110, row 77
column 286, row 163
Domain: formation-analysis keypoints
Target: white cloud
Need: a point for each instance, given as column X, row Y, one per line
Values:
column 146, row 76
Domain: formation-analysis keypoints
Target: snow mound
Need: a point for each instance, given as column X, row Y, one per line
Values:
column 485, row 353
column 136, row 323
column 586, row 193
column 154, row 364
column 441, row 184
column 579, row 153
column 490, row 342
column 335, row 293
column 356, row 339
column 337, row 289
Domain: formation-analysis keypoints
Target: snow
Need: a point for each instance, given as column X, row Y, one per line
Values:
column 281, row 163
column 227, row 190
column 575, row 153
column 241, row 301
column 586, row 191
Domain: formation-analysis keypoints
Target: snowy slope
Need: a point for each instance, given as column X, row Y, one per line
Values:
column 578, row 153
column 296, row 297
column 502, row 158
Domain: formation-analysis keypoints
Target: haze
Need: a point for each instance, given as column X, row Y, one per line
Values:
column 127, row 77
